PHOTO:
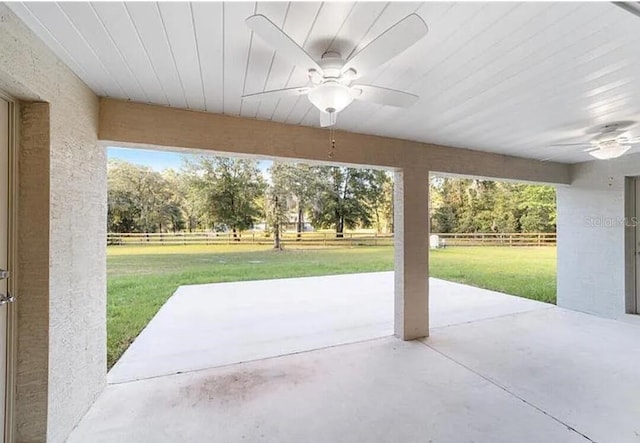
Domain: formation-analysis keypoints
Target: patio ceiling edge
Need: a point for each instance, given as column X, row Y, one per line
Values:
column 126, row 123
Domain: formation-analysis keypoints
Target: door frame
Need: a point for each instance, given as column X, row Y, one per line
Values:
column 12, row 312
column 630, row 249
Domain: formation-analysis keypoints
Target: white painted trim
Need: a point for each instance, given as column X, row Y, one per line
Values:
column 12, row 323
column 630, row 277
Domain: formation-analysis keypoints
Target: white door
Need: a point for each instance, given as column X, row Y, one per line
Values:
column 4, row 253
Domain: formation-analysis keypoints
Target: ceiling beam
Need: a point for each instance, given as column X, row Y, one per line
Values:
column 134, row 124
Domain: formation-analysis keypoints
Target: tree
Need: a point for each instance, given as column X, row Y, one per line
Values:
column 173, row 209
column 471, row 205
column 227, row 190
column 381, row 200
column 139, row 199
column 345, row 197
column 297, row 183
column 281, row 198
column 450, row 204
column 538, row 208
column 277, row 215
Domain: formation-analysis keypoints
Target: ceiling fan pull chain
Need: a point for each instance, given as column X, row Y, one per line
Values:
column 332, row 142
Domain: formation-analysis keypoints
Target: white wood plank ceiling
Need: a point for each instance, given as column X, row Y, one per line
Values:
column 501, row 77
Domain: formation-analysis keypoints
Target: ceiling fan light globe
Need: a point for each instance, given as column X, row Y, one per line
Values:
column 611, row 152
column 330, row 97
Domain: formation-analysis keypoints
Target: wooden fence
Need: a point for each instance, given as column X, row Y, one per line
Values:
column 493, row 239
column 324, row 239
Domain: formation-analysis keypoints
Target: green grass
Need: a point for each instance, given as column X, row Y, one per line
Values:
column 142, row 278
column 527, row 272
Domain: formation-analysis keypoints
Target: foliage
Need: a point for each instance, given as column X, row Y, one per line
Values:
column 471, row 205
column 142, row 200
column 346, row 197
column 278, row 202
column 223, row 193
column 226, row 191
column 297, row 187
column 383, row 205
column 537, row 205
column 231, row 194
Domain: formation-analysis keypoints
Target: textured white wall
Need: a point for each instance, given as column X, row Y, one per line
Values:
column 591, row 236
column 72, row 299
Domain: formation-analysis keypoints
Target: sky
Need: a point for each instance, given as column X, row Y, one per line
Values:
column 158, row 160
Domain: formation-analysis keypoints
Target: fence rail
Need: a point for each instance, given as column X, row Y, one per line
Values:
column 493, row 239
column 252, row 238
column 325, row 239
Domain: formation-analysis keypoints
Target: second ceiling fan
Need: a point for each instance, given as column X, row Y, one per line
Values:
column 330, row 87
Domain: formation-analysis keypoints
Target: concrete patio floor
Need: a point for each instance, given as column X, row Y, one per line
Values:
column 495, row 370
column 205, row 326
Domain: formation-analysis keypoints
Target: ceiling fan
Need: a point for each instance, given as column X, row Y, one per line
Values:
column 611, row 141
column 330, row 87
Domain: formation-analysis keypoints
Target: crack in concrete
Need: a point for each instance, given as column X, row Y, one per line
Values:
column 505, row 389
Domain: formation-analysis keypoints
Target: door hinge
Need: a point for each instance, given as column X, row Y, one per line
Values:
column 6, row 298
column 4, row 274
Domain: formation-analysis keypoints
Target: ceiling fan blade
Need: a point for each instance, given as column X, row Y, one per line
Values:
column 384, row 96
column 277, row 93
column 389, row 44
column 281, row 42
column 328, row 118
column 572, row 144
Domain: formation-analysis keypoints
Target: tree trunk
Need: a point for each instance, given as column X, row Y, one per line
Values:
column 340, row 212
column 276, row 237
column 235, row 235
column 300, row 223
column 340, row 227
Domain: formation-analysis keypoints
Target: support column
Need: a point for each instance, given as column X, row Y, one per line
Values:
column 411, row 238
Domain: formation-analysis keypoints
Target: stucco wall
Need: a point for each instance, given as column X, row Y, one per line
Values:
column 591, row 237
column 74, row 293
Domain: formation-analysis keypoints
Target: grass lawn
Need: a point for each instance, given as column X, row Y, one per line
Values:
column 141, row 278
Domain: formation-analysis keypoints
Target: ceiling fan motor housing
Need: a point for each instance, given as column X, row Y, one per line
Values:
column 331, row 64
